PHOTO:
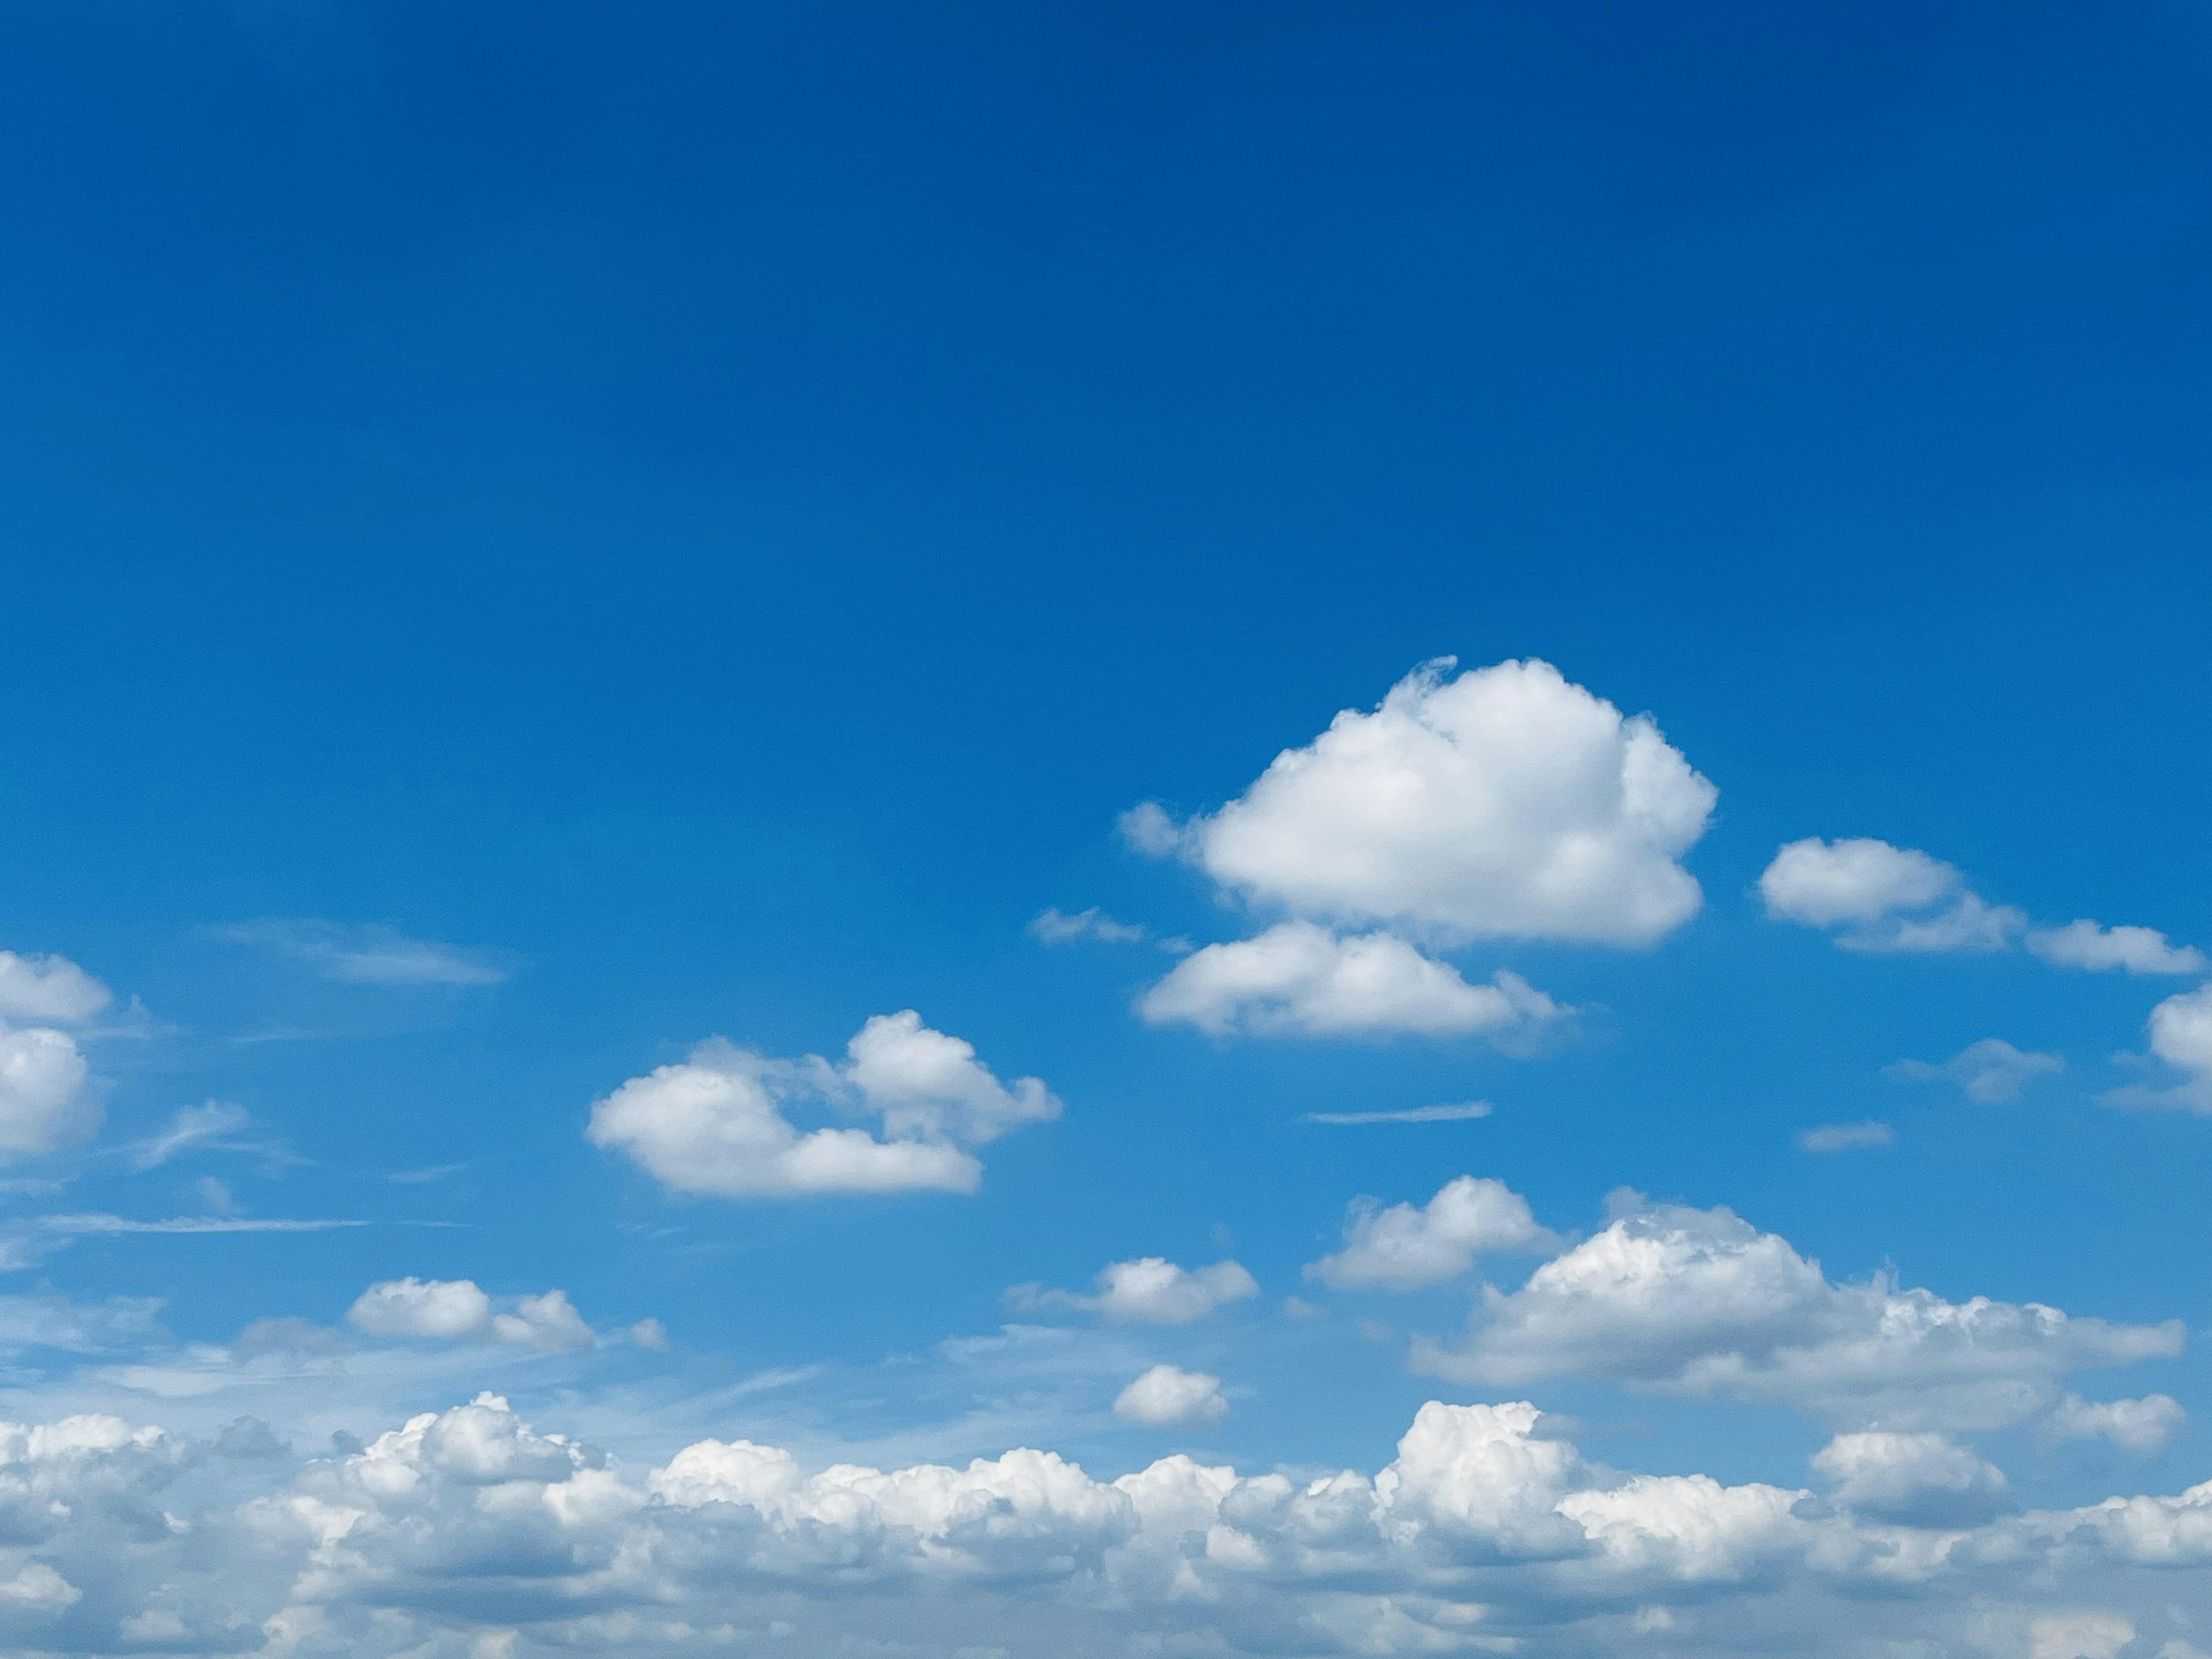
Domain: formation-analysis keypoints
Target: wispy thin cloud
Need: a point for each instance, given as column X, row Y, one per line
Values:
column 1845, row 1137
column 193, row 1129
column 96, row 1224
column 434, row 1172
column 368, row 953
column 1458, row 1114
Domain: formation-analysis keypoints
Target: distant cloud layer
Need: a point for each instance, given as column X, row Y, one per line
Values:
column 368, row 954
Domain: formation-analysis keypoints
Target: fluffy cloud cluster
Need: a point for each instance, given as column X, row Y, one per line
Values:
column 1700, row 1304
column 1403, row 1248
column 1504, row 803
column 1149, row 1290
column 1880, row 897
column 468, row 1535
column 1300, row 979
column 456, row 1310
column 45, row 1101
column 715, row 1123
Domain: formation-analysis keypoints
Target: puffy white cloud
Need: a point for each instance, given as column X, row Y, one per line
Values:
column 1991, row 1071
column 43, row 1103
column 715, row 1123
column 457, row 1310
column 2100, row 949
column 1845, row 1137
column 1166, row 1397
column 369, row 954
column 1402, row 1248
column 1698, row 1303
column 1150, row 1290
column 48, row 990
column 1052, row 927
column 2181, row 1035
column 1921, row 1479
column 1504, row 802
column 1297, row 979
column 2145, row 1426
column 1884, row 897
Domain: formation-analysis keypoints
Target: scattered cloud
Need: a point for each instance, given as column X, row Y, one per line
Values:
column 456, row 1310
column 1883, row 898
column 1404, row 1249
column 1166, row 1397
column 2145, row 1426
column 1991, row 1071
column 368, row 953
column 1051, row 927
column 194, row 1128
column 1149, row 1290
column 1699, row 1304
column 92, row 1225
column 2100, row 949
column 1462, row 1113
column 1505, row 802
column 1845, row 1137
column 1300, row 980
column 715, row 1123
column 2181, row 1035
column 48, row 990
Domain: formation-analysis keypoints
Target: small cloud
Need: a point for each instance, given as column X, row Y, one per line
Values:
column 1167, row 1397
column 458, row 1310
column 2144, row 1426
column 1149, row 1290
column 2137, row 950
column 215, row 1197
column 368, row 954
column 1296, row 1307
column 193, row 1128
column 1845, row 1137
column 650, row 1334
column 1406, row 1248
column 48, row 988
column 1051, row 927
column 1991, row 1071
column 432, row 1172
column 1883, row 898
column 1459, row 1114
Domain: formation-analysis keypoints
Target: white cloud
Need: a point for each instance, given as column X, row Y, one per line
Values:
column 1403, row 1248
column 43, row 1103
column 50, row 989
column 2181, row 1035
column 1297, row 979
column 1051, row 927
column 1845, row 1137
column 2098, row 949
column 1699, row 1304
column 1991, row 1071
column 2145, row 1426
column 470, row 1525
column 1149, row 1290
column 369, row 954
column 1165, row 1397
column 1885, row 898
column 457, row 1310
column 1919, row 1479
column 1463, row 1112
column 1502, row 803
column 192, row 1128
column 715, row 1123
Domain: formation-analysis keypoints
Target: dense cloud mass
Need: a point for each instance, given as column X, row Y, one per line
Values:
column 1503, row 802
column 468, row 1532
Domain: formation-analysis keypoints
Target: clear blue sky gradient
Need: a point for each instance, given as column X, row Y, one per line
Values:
column 725, row 506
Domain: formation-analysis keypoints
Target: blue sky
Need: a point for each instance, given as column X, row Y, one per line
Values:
column 540, row 537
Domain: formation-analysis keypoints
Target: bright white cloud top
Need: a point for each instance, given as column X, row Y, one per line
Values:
column 48, row 990
column 1883, row 898
column 715, row 1124
column 2180, row 1036
column 1505, row 802
column 2101, row 949
column 457, row 1310
column 1167, row 1397
column 1149, row 1290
